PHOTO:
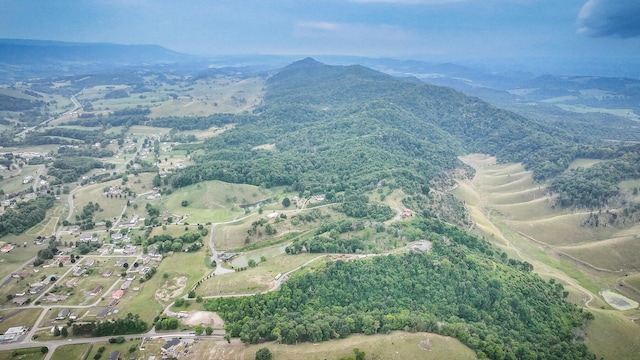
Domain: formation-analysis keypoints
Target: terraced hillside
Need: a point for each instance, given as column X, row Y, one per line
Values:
column 520, row 216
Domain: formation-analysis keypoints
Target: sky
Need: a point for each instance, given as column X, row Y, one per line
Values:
column 418, row 29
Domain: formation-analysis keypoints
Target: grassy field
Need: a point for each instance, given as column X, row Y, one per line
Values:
column 74, row 351
column 23, row 317
column 613, row 337
column 18, row 256
column 214, row 201
column 397, row 345
column 111, row 207
column 45, row 228
column 22, row 354
column 255, row 279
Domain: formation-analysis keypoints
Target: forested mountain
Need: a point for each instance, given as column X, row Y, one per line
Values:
column 21, row 59
column 348, row 127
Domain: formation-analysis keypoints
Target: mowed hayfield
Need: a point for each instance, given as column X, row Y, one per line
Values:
column 396, row 345
column 111, row 207
column 214, row 201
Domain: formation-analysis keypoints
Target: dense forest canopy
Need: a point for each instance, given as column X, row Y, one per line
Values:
column 460, row 288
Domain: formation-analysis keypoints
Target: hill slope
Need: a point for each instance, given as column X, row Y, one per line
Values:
column 347, row 127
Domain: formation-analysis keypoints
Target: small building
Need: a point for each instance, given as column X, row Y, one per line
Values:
column 20, row 274
column 54, row 298
column 7, row 248
column 89, row 262
column 113, row 303
column 103, row 313
column 115, row 355
column 19, row 300
column 13, row 333
column 97, row 290
column 117, row 294
column 73, row 315
column 36, row 290
column 64, row 260
column 107, row 273
column 125, row 285
column 273, row 215
column 406, row 213
column 170, row 346
column 62, row 314
column 78, row 271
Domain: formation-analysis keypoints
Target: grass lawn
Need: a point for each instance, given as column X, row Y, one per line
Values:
column 33, row 353
column 23, row 317
column 74, row 351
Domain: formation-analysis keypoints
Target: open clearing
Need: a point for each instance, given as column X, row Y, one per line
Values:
column 204, row 318
column 397, row 345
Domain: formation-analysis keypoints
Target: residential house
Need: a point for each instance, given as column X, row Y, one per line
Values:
column 7, row 248
column 125, row 285
column 78, row 271
column 71, row 283
column 64, row 260
column 107, row 273
column 89, row 262
column 115, row 355
column 113, row 302
column 97, row 290
column 170, row 346
column 73, row 315
column 62, row 314
column 19, row 300
column 117, row 294
column 36, row 290
column 20, row 274
column 54, row 298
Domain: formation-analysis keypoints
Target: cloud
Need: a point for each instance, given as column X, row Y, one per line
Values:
column 600, row 18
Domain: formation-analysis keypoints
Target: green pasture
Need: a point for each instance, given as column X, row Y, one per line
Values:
column 254, row 279
column 73, row 351
column 111, row 207
column 611, row 336
column 10, row 261
column 612, row 254
column 32, row 353
column 397, row 345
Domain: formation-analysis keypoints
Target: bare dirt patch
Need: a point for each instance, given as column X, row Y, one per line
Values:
column 171, row 289
column 204, row 318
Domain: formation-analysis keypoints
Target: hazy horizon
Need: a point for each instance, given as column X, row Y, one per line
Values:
column 531, row 33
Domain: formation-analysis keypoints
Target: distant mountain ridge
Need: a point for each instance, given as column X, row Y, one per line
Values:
column 21, row 58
